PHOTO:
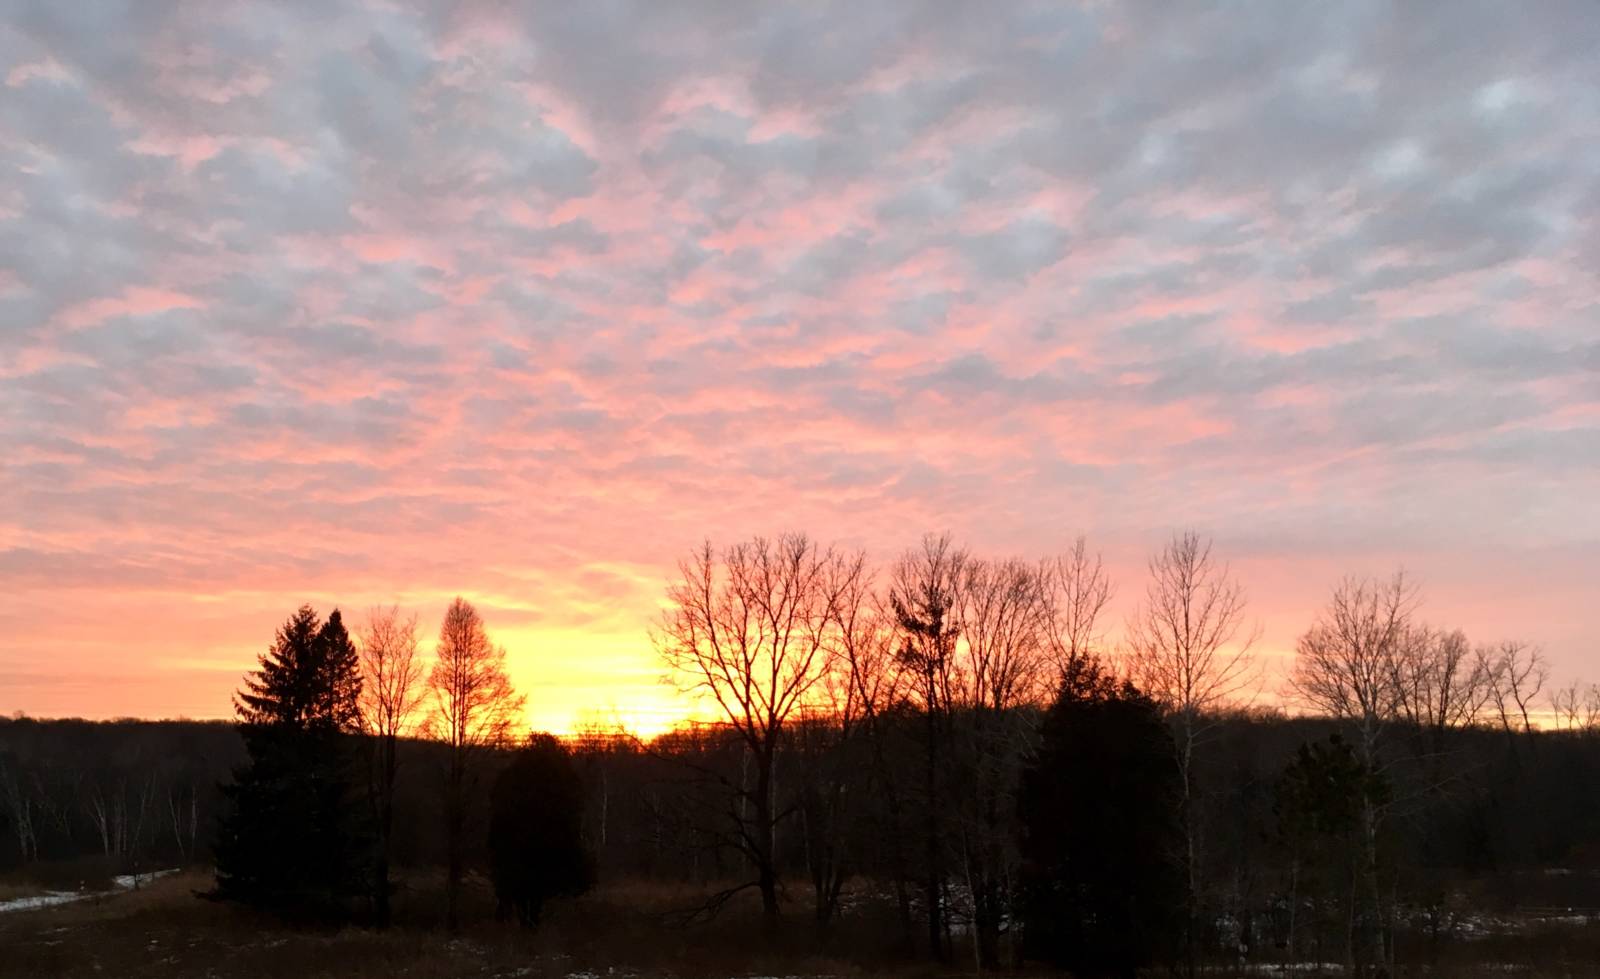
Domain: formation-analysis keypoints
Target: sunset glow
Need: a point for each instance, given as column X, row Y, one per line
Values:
column 414, row 302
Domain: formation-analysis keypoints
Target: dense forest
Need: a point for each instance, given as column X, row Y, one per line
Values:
column 952, row 743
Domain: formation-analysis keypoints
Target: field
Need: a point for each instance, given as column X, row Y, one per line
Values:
column 163, row 928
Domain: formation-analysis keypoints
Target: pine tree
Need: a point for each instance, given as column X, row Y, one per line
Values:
column 292, row 838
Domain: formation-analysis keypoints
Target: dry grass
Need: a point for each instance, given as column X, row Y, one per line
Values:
column 165, row 930
column 90, row 873
column 11, row 890
column 628, row 931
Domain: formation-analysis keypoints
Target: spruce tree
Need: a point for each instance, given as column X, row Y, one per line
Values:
column 292, row 837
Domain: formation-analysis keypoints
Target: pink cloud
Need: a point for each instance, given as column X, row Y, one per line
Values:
column 518, row 305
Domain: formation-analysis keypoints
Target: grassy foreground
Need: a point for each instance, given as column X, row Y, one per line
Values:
column 164, row 929
column 630, row 931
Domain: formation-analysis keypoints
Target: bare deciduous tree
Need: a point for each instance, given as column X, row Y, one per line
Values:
column 21, row 807
column 392, row 691
column 1189, row 650
column 1344, row 664
column 1006, row 618
column 475, row 706
column 1517, row 673
column 748, row 628
column 602, row 737
column 1566, row 705
column 873, row 670
column 1438, row 684
column 1344, row 667
column 183, row 810
column 1004, row 655
column 1080, row 593
column 835, row 745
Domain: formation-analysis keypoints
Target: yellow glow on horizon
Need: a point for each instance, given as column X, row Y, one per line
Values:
column 577, row 678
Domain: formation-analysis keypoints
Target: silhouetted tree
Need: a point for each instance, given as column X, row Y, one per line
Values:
column 292, row 838
column 391, row 693
column 536, row 849
column 1189, row 650
column 875, row 690
column 1319, row 802
column 1517, row 672
column 752, row 628
column 1103, row 889
column 1344, row 667
column 924, row 592
column 835, row 774
column 476, row 708
column 1438, row 683
column 21, row 807
column 1003, row 666
column 1079, row 591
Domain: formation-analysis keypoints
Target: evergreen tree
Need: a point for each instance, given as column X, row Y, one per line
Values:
column 536, row 847
column 292, row 838
column 1102, row 878
column 341, row 666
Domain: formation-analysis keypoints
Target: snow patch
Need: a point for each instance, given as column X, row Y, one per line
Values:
column 130, row 881
column 50, row 899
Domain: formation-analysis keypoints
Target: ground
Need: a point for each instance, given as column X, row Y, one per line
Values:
column 163, row 928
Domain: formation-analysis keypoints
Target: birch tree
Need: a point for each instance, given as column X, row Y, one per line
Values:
column 1189, row 649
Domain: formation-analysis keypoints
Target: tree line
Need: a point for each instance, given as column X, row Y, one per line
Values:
column 953, row 737
column 310, row 821
column 958, row 666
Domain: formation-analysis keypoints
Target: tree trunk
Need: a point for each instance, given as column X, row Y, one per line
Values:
column 896, row 842
column 455, row 820
column 931, row 885
column 387, row 770
column 762, row 839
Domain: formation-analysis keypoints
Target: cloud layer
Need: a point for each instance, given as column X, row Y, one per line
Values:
column 367, row 303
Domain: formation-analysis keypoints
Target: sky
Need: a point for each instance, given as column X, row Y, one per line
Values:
column 360, row 303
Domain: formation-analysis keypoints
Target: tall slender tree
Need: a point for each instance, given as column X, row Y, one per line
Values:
column 1003, row 668
column 476, row 707
column 924, row 593
column 1189, row 650
column 391, row 693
